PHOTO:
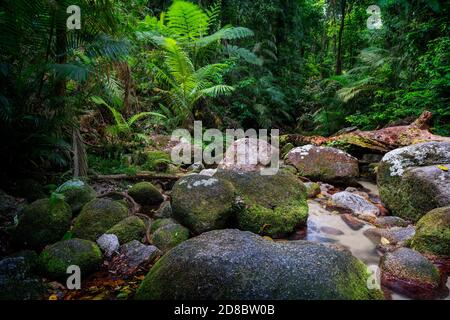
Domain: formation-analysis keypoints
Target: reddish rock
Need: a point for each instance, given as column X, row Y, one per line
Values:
column 323, row 163
column 352, row 222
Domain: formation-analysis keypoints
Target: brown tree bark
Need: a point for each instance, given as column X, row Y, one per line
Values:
column 377, row 141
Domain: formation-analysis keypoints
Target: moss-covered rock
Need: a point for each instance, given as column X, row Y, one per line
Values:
column 410, row 181
column 237, row 265
column 409, row 272
column 312, row 189
column 76, row 193
column 433, row 233
column 169, row 236
column 324, row 164
column 146, row 194
column 43, row 222
column 55, row 259
column 286, row 148
column 160, row 223
column 129, row 229
column 203, row 203
column 271, row 205
column 164, row 210
column 97, row 217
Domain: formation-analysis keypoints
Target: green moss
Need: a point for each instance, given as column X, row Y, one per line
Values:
column 433, row 233
column 43, row 222
column 98, row 216
column 272, row 205
column 354, row 284
column 157, row 161
column 286, row 148
column 129, row 229
column 203, row 203
column 160, row 223
column 312, row 189
column 149, row 288
column 55, row 259
column 76, row 193
column 274, row 222
column 145, row 193
column 169, row 236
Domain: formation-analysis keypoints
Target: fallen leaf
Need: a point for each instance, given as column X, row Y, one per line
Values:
column 384, row 241
column 443, row 168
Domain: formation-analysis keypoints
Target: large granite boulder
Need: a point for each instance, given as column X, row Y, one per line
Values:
column 324, row 164
column 270, row 205
column 236, row 265
column 415, row 179
column 203, row 203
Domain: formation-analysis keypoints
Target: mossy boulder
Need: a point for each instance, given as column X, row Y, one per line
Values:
column 312, row 189
column 411, row 181
column 169, row 236
column 164, row 210
column 433, row 233
column 97, row 217
column 17, row 281
column 410, row 273
column 146, row 194
column 129, row 229
column 55, row 259
column 237, row 265
column 203, row 203
column 160, row 223
column 76, row 193
column 324, row 164
column 43, row 222
column 269, row 205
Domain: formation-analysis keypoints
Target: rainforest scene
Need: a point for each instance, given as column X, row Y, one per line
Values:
column 239, row 150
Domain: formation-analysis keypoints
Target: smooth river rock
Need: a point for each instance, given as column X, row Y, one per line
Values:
column 238, row 265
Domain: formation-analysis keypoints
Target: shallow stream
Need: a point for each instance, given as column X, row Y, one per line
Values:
column 327, row 227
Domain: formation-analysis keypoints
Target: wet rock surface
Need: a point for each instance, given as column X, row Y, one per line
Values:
column 358, row 205
column 411, row 273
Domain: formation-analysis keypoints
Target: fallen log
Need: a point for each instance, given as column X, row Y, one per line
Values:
column 377, row 141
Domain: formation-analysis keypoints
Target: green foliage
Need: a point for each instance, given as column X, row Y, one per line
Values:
column 186, row 41
column 125, row 129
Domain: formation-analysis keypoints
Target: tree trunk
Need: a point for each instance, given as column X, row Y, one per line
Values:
column 341, row 33
column 377, row 141
column 80, row 165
